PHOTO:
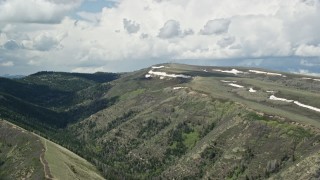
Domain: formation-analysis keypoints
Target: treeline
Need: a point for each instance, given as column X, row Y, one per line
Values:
column 99, row 77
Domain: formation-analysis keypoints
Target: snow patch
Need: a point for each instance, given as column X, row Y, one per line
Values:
column 228, row 81
column 258, row 72
column 307, row 106
column 273, row 97
column 157, row 67
column 252, row 90
column 266, row 73
column 235, row 85
column 164, row 74
column 176, row 88
column 306, row 78
column 148, row 76
column 270, row 91
column 316, row 79
column 204, row 70
column 233, row 71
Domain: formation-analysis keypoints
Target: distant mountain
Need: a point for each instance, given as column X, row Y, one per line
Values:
column 12, row 76
column 175, row 121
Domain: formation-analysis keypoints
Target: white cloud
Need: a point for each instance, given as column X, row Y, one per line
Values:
column 46, row 41
column 217, row 26
column 93, row 17
column 146, row 31
column 88, row 69
column 35, row 11
column 308, row 50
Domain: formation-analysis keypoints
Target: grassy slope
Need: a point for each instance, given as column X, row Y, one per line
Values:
column 64, row 164
column 284, row 87
column 215, row 88
column 24, row 152
column 19, row 153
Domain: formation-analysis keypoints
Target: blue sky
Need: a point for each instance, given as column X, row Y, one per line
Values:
column 96, row 5
column 125, row 35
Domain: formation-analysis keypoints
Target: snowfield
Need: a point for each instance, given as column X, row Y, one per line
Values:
column 235, row 85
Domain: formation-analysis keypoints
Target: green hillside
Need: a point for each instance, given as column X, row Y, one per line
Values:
column 24, row 155
column 20, row 154
column 176, row 121
column 47, row 100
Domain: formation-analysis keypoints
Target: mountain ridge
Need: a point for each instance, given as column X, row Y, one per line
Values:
column 182, row 121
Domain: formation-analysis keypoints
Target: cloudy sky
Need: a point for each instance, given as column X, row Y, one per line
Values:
column 124, row 35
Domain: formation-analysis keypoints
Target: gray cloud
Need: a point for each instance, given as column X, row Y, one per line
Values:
column 217, row 26
column 45, row 42
column 131, row 26
column 188, row 32
column 144, row 36
column 170, row 29
column 11, row 45
column 226, row 41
